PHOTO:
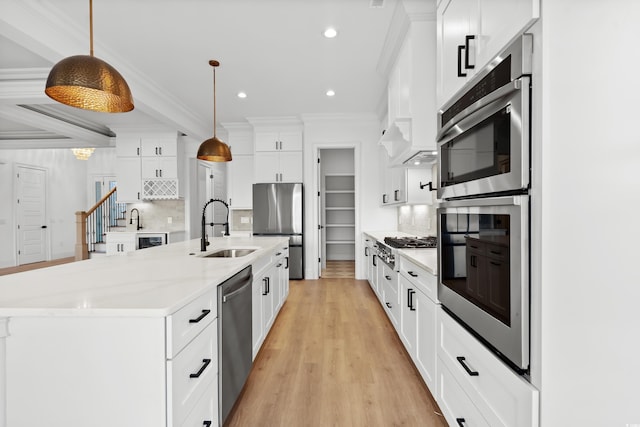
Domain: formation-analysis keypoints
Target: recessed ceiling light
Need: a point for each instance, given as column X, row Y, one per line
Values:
column 330, row 92
column 242, row 95
column 330, row 33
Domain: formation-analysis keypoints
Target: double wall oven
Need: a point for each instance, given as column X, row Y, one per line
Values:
column 484, row 136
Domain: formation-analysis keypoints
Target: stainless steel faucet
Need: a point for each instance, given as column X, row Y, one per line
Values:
column 203, row 240
column 138, row 225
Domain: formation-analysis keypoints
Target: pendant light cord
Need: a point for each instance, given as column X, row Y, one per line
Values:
column 91, row 27
column 214, row 101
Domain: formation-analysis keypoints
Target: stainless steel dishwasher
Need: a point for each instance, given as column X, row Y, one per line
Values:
column 234, row 339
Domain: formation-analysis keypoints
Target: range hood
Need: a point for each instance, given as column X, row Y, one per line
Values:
column 397, row 140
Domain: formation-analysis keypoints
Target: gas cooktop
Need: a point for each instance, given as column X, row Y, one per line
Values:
column 411, row 242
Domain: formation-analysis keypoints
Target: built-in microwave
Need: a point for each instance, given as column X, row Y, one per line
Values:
column 483, row 272
column 484, row 130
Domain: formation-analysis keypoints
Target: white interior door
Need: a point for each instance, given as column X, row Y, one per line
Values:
column 31, row 215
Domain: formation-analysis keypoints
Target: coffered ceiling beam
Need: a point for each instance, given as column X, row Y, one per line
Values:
column 41, row 28
column 28, row 117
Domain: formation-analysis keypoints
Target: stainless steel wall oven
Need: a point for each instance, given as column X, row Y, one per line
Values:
column 484, row 220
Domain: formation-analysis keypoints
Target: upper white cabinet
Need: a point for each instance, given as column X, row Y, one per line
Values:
column 471, row 32
column 283, row 166
column 278, row 140
column 149, row 166
column 411, row 90
column 277, row 149
column 240, row 171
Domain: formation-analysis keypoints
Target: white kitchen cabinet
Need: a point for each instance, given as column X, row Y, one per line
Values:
column 501, row 396
column 390, row 296
column 128, row 171
column 278, row 140
column 114, row 370
column 120, row 243
column 241, row 178
column 159, row 167
column 411, row 95
column 158, row 170
column 270, row 287
column 418, row 329
column 271, row 166
column 158, row 147
column 472, row 32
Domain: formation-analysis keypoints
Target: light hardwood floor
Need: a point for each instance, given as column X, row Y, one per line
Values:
column 339, row 270
column 333, row 359
column 35, row 266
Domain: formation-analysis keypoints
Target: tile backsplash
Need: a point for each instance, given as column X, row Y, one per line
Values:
column 419, row 220
column 155, row 215
column 241, row 220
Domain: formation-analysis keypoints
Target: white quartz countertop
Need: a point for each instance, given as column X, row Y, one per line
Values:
column 426, row 258
column 155, row 281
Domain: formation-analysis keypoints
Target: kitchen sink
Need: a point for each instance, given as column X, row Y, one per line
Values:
column 230, row 253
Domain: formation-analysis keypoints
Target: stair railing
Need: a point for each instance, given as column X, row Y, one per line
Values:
column 92, row 225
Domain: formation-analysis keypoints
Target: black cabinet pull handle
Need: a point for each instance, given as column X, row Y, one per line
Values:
column 387, row 277
column 287, row 265
column 206, row 424
column 466, row 368
column 199, row 318
column 205, row 363
column 374, row 261
column 278, row 253
column 388, row 304
column 410, row 293
column 495, row 263
column 496, row 252
column 395, row 195
column 412, row 274
column 279, row 265
column 467, row 39
column 460, row 73
column 366, row 251
column 266, row 286
column 460, row 421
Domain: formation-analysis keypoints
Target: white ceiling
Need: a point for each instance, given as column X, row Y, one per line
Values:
column 273, row 50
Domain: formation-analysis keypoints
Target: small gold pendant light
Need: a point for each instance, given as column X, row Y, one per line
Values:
column 84, row 81
column 213, row 149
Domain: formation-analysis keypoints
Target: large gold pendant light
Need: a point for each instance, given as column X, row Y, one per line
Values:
column 213, row 149
column 84, row 81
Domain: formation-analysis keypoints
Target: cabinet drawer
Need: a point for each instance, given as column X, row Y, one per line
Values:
column 391, row 297
column 189, row 321
column 206, row 410
column 420, row 278
column 189, row 373
column 503, row 397
column 456, row 406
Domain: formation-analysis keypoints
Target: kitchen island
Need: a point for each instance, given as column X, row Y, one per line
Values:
column 104, row 342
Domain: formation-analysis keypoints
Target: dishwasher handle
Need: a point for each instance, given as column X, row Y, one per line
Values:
column 230, row 295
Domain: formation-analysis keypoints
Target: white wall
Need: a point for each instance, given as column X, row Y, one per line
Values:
column 66, row 194
column 362, row 133
column 585, row 260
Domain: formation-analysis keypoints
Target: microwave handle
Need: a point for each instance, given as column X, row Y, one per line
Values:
column 504, row 91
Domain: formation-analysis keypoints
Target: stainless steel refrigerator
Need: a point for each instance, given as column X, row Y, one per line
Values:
column 277, row 211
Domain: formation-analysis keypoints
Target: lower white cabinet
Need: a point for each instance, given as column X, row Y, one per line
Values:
column 390, row 297
column 270, row 289
column 120, row 243
column 418, row 328
column 105, row 371
column 502, row 397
